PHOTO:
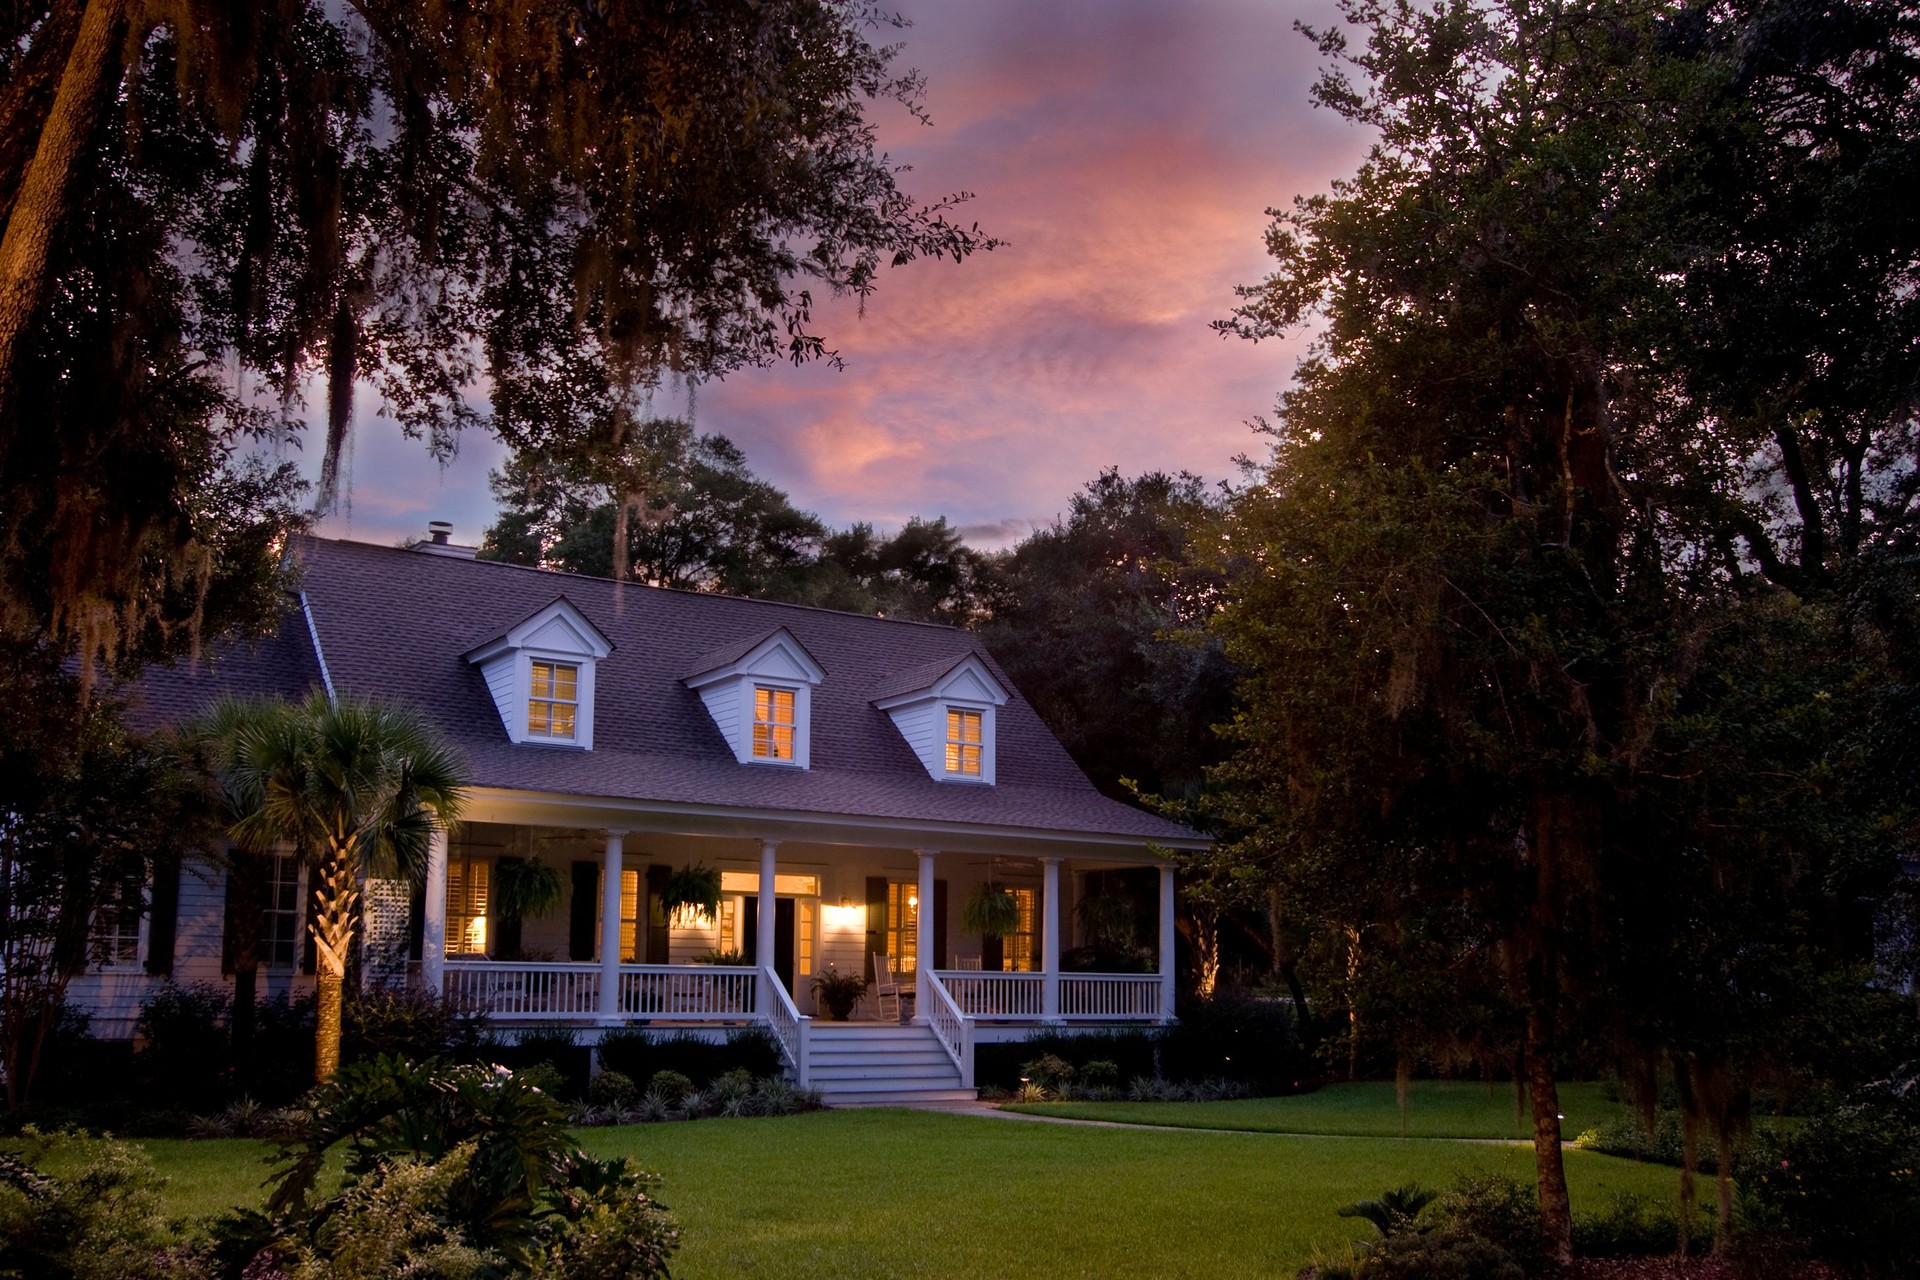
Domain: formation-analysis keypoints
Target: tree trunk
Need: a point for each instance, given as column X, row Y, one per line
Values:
column 326, row 1027
column 46, row 187
column 1556, row 1210
column 246, row 993
column 1723, row 1179
column 332, row 929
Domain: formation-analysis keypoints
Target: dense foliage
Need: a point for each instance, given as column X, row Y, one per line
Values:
column 1546, row 743
column 566, row 205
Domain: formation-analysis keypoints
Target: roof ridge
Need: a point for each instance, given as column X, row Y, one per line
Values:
column 647, row 586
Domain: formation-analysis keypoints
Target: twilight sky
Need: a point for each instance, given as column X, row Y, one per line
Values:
column 1127, row 150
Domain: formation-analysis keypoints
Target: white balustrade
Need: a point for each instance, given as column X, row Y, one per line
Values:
column 515, row 990
column 790, row 1027
column 994, row 995
column 1110, row 997
column 952, row 1028
column 688, row 992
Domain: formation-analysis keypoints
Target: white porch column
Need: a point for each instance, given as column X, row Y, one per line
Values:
column 923, row 957
column 610, row 869
column 1050, row 939
column 433, row 928
column 1166, row 942
column 763, row 932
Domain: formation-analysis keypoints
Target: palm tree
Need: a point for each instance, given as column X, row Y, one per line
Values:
column 352, row 785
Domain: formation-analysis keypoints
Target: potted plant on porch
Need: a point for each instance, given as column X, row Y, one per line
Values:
column 837, row 992
column 523, row 889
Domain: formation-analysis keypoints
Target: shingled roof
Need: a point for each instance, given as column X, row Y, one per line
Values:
column 395, row 623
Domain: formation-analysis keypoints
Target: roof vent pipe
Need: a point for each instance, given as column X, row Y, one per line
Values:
column 438, row 531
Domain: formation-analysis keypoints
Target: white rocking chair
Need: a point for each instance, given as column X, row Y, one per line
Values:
column 885, row 987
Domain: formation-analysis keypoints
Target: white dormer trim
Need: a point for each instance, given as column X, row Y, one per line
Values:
column 727, row 689
column 921, row 717
column 558, row 634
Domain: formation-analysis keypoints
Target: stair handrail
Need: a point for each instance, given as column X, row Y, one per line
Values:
column 789, row 1026
column 952, row 1028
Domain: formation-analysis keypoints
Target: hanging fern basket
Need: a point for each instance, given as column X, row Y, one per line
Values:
column 526, row 890
column 692, row 893
column 992, row 912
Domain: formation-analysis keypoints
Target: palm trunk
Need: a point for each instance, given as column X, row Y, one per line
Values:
column 46, row 187
column 332, row 938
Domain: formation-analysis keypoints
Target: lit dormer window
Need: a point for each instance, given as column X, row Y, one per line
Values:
column 963, row 742
column 540, row 673
column 772, row 723
column 945, row 711
column 552, row 709
column 759, row 693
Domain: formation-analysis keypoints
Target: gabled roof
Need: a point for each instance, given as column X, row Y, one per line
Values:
column 398, row 624
column 559, row 625
column 966, row 678
column 731, row 658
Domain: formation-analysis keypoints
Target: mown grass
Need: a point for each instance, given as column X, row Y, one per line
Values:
column 1435, row 1109
column 894, row 1193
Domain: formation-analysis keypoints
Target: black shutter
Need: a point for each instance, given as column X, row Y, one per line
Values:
column 163, row 914
column 585, row 911
column 939, row 927
column 416, row 922
column 658, row 937
column 245, row 907
column 876, row 921
column 506, row 929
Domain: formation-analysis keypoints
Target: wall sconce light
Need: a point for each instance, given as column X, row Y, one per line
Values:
column 843, row 916
column 913, row 900
column 846, row 903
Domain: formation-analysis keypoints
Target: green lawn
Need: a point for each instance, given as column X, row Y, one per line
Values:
column 894, row 1193
column 1435, row 1109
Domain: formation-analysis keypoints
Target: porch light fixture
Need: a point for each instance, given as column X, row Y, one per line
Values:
column 913, row 900
column 844, row 916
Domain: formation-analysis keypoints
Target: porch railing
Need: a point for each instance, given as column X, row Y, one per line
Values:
column 689, row 992
column 994, row 995
column 1110, row 997
column 518, row 990
column 953, row 1029
column 789, row 1026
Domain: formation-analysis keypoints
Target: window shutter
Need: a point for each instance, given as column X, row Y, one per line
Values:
column 506, row 930
column 658, row 939
column 876, row 921
column 163, row 915
column 416, row 922
column 245, row 909
column 585, row 911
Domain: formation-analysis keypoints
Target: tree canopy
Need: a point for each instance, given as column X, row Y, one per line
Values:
column 566, row 205
column 1516, row 617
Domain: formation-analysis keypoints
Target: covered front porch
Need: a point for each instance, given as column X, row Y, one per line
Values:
column 842, row 905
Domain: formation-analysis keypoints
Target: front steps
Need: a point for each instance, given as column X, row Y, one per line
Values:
column 882, row 1064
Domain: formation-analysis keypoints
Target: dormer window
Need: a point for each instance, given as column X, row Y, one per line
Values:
column 552, row 710
column 963, row 742
column 540, row 674
column 945, row 711
column 772, row 723
column 760, row 695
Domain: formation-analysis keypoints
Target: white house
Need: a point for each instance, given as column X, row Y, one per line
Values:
column 863, row 775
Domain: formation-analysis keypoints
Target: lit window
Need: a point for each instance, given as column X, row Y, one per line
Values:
column 903, row 924
column 1017, row 947
column 280, row 931
column 467, row 894
column 556, row 697
column 772, row 724
column 629, row 918
column 963, row 742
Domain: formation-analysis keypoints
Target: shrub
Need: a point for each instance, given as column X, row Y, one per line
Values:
column 1000, row 1066
column 1848, row 1181
column 1050, row 1072
column 639, row 1056
column 1444, row 1254
column 1628, row 1136
column 1234, row 1037
column 1633, row 1226
column 411, row 1023
column 102, row 1221
column 671, row 1085
column 447, row 1168
column 612, row 1089
column 1100, row 1073
column 1503, row 1210
column 278, row 1066
column 184, row 1055
column 558, row 1049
